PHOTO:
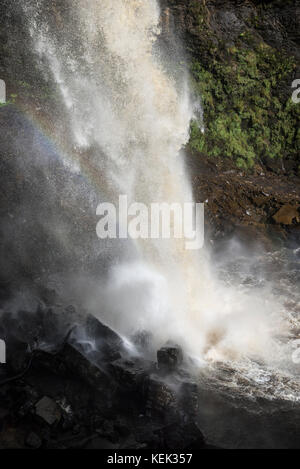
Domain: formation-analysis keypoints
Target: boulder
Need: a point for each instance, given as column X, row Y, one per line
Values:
column 107, row 342
column 169, row 358
column 287, row 215
column 48, row 410
column 130, row 374
column 93, row 373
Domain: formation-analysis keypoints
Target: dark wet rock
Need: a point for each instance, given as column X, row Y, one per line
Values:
column 101, row 443
column 49, row 361
column 17, row 355
column 4, row 413
column 122, row 428
column 108, row 430
column 107, row 344
column 33, row 441
column 30, row 397
column 161, row 398
column 99, row 331
column 145, row 432
column 181, row 436
column 93, row 373
column 77, row 397
column 76, row 429
column 169, row 357
column 188, row 398
column 48, row 410
column 131, row 374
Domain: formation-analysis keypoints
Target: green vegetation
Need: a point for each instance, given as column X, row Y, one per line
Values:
column 244, row 88
column 11, row 100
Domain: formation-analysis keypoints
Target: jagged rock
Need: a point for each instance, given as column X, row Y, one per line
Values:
column 107, row 342
column 98, row 330
column 161, row 398
column 144, row 432
column 94, row 373
column 169, row 357
column 33, row 441
column 181, row 436
column 188, row 398
column 48, row 410
column 130, row 374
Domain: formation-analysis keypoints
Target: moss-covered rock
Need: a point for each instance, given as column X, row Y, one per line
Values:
column 243, row 59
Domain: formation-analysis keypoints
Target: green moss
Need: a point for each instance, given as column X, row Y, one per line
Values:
column 247, row 115
column 10, row 100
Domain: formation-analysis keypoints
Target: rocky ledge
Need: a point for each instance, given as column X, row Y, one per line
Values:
column 72, row 382
column 261, row 206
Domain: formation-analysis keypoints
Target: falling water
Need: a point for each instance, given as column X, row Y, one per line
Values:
column 128, row 116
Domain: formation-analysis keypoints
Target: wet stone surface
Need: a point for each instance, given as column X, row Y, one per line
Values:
column 57, row 393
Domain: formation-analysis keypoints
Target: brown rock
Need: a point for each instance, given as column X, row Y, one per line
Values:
column 287, row 215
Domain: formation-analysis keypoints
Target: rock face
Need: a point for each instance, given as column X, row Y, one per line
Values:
column 244, row 204
column 243, row 57
column 161, row 398
column 70, row 396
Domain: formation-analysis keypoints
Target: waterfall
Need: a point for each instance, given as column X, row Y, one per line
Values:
column 128, row 112
column 121, row 100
